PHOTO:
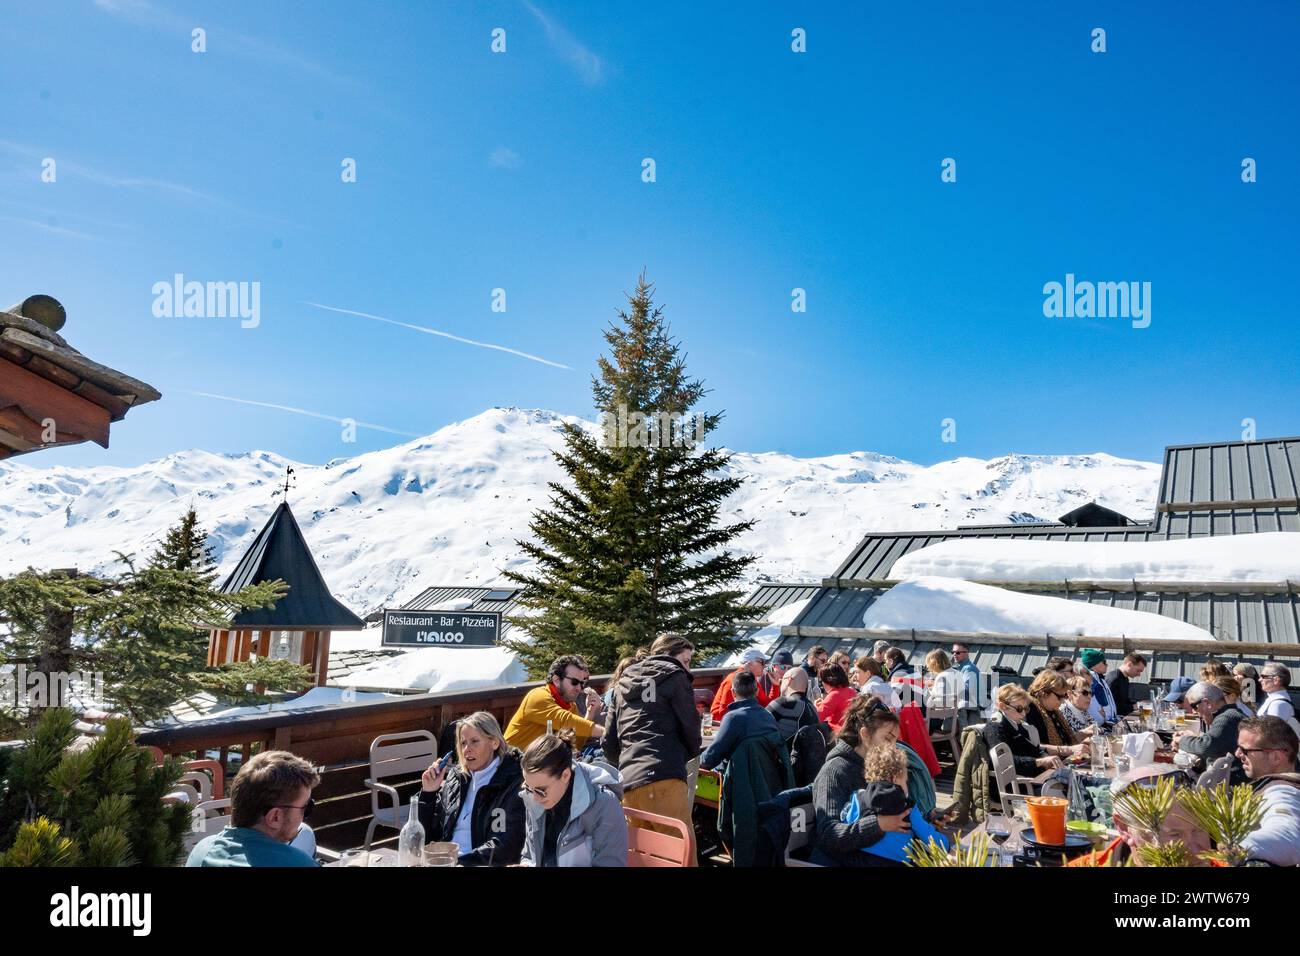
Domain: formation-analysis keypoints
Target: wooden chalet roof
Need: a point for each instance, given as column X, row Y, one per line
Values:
column 43, row 378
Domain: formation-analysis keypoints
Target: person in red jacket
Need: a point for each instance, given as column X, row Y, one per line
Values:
column 839, row 694
column 754, row 661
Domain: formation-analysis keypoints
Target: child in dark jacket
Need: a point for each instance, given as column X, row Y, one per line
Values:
column 885, row 793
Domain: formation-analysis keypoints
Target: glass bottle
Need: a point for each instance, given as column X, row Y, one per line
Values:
column 410, row 842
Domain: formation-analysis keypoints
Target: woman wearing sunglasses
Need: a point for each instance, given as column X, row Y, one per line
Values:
column 575, row 817
column 1013, row 703
column 1075, row 707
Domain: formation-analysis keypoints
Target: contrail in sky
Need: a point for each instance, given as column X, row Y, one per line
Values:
column 299, row 411
column 445, row 335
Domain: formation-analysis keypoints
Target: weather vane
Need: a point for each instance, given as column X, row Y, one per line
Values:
column 289, row 482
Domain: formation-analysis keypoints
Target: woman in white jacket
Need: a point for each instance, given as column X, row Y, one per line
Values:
column 575, row 811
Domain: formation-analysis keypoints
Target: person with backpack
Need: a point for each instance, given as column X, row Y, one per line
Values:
column 800, row 727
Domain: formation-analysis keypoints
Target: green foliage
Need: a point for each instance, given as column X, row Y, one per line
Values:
column 931, row 854
column 1174, row 853
column 106, row 799
column 41, row 843
column 1227, row 816
column 144, row 630
column 231, row 681
column 631, row 544
column 1148, row 806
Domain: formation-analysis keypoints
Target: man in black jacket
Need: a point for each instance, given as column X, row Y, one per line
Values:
column 652, row 730
column 1117, row 680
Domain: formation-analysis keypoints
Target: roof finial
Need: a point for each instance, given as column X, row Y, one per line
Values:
column 289, row 481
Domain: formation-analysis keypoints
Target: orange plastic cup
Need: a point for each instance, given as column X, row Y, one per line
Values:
column 1047, row 815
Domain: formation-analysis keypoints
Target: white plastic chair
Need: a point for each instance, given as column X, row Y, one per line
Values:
column 395, row 755
column 1009, row 783
column 207, row 818
column 948, row 717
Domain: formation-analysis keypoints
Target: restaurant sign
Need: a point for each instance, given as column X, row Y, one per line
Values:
column 441, row 628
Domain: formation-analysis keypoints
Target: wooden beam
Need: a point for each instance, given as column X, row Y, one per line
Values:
column 1240, row 504
column 1126, row 644
column 38, row 398
column 322, row 658
column 1121, row 587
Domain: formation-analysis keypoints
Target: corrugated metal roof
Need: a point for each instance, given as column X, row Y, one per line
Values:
column 771, row 597
column 280, row 552
column 1260, row 478
column 482, row 598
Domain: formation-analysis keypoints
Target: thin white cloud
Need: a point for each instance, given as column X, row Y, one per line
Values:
column 504, row 158
column 146, row 14
column 445, row 335
column 298, row 411
column 585, row 63
column 47, row 227
column 131, row 182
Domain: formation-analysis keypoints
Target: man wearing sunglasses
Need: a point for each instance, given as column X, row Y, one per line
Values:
column 556, row 703
column 1266, row 747
column 270, row 798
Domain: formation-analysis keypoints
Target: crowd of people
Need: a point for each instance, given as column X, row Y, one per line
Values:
column 852, row 737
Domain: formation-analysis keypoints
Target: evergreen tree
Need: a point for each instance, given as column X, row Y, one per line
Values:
column 144, row 631
column 98, row 806
column 631, row 544
column 186, row 548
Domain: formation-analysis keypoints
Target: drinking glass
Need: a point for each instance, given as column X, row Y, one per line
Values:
column 355, row 858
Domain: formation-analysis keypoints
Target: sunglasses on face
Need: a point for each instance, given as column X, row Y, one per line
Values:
column 1246, row 751
column 1018, row 710
column 306, row 808
column 576, row 682
column 538, row 792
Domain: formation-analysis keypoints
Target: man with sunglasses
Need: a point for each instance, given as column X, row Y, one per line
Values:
column 270, row 798
column 555, row 703
column 1266, row 747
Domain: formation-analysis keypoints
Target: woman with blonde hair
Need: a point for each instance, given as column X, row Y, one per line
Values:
column 1008, row 727
column 474, row 802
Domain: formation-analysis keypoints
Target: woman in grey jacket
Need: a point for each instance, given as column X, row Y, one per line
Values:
column 574, row 811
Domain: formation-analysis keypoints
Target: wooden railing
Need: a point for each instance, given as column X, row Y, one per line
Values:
column 337, row 740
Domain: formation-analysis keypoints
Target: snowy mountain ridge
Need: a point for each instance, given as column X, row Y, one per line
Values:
column 447, row 509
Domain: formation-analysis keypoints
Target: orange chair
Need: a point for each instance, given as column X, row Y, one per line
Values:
column 212, row 767
column 646, row 847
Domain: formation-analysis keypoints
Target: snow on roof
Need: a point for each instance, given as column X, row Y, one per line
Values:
column 315, row 699
column 1266, row 556
column 946, row 604
column 768, row 635
column 441, row 669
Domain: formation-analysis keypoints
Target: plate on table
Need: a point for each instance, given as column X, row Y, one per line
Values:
column 1073, row 841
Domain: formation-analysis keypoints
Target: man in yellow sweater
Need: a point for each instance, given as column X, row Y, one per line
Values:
column 556, row 702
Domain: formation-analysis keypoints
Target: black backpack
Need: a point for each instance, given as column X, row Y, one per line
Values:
column 807, row 754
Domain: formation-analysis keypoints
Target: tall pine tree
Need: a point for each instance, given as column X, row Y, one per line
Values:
column 631, row 544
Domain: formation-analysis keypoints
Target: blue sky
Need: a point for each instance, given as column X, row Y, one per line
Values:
column 775, row 170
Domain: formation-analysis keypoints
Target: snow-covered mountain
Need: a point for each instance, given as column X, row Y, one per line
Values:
column 447, row 509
